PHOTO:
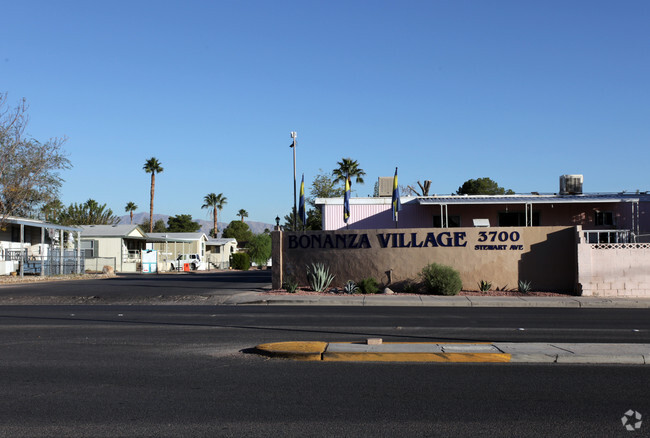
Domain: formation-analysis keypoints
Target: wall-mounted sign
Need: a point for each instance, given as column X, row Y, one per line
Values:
column 485, row 241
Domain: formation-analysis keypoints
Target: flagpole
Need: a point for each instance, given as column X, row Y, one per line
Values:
column 295, row 210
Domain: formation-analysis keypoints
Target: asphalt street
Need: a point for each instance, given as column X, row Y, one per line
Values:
column 126, row 369
column 188, row 370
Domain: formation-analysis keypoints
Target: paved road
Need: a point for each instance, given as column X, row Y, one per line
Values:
column 137, row 288
column 180, row 370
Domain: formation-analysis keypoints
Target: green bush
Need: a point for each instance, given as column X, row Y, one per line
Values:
column 290, row 284
column 241, row 261
column 368, row 286
column 441, row 280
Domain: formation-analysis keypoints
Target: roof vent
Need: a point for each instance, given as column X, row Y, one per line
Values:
column 571, row 184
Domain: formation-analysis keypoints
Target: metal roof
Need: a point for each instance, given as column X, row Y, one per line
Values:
column 178, row 237
column 39, row 224
column 525, row 199
column 221, row 241
column 110, row 230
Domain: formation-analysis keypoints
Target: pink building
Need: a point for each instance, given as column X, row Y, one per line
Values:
column 619, row 217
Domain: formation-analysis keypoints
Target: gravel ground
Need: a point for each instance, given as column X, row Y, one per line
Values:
column 9, row 279
column 492, row 293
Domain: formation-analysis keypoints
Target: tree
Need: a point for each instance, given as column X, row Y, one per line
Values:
column 314, row 221
column 259, row 248
column 29, row 169
column 130, row 208
column 182, row 223
column 52, row 210
column 214, row 203
column 88, row 213
column 152, row 166
column 323, row 186
column 159, row 226
column 242, row 213
column 348, row 167
column 238, row 230
column 482, row 186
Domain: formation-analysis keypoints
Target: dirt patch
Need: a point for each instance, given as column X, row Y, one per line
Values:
column 9, row 279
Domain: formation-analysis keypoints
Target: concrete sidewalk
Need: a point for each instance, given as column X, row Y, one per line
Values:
column 257, row 298
column 511, row 352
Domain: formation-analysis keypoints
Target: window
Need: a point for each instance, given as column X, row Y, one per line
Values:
column 454, row 221
column 516, row 219
column 88, row 248
column 604, row 218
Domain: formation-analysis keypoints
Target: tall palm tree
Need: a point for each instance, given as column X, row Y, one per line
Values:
column 214, row 202
column 152, row 166
column 130, row 208
column 242, row 213
column 348, row 167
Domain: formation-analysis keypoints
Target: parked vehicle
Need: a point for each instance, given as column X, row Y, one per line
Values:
column 194, row 260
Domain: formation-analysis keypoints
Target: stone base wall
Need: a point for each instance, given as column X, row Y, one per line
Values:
column 614, row 270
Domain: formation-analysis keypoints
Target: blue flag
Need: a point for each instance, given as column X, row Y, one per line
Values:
column 301, row 209
column 397, row 205
column 346, row 200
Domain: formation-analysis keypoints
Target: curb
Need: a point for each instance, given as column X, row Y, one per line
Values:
column 437, row 301
column 457, row 352
column 415, row 352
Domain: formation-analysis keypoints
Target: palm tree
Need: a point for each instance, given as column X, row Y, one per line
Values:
column 242, row 213
column 348, row 167
column 152, row 166
column 214, row 202
column 130, row 208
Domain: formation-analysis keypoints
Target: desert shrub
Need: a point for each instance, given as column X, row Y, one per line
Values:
column 484, row 286
column 368, row 286
column 241, row 261
column 441, row 280
column 319, row 277
column 351, row 287
column 410, row 287
column 524, row 286
column 290, row 284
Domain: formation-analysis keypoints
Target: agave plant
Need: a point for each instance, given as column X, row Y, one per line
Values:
column 319, row 277
column 351, row 287
column 524, row 286
column 484, row 286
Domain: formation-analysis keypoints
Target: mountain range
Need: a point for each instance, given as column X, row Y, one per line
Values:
column 206, row 226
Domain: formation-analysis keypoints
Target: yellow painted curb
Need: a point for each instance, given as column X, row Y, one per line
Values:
column 316, row 351
column 294, row 350
column 416, row 357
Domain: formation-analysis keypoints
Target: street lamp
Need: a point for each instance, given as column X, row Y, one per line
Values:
column 293, row 146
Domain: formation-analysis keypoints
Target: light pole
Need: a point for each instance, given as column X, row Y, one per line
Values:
column 293, row 146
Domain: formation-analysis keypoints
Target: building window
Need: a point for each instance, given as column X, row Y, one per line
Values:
column 454, row 221
column 604, row 218
column 88, row 248
column 516, row 219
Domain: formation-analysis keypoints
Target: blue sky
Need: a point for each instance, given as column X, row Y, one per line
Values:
column 521, row 92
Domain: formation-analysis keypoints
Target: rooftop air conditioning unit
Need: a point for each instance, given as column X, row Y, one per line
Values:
column 571, row 184
column 385, row 186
